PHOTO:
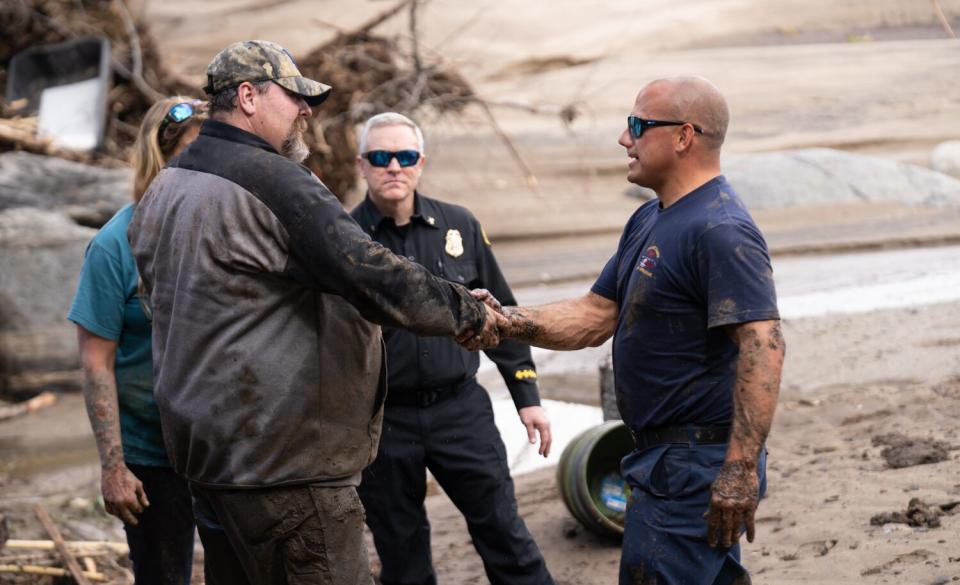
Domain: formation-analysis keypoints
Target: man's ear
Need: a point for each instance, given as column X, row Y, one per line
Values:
column 247, row 98
column 684, row 138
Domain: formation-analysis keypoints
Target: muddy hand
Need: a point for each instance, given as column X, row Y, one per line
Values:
column 488, row 337
column 123, row 494
column 482, row 294
column 733, row 502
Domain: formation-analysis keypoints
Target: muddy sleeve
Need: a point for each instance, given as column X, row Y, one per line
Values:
column 735, row 276
column 513, row 358
column 329, row 251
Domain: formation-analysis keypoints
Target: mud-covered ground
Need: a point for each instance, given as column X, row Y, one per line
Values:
column 848, row 380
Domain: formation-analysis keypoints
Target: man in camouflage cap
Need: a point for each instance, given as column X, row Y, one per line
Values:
column 256, row 61
column 268, row 358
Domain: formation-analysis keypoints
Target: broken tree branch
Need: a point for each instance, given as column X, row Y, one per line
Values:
column 135, row 73
column 415, row 37
column 529, row 177
column 943, row 19
column 65, row 554
column 378, row 19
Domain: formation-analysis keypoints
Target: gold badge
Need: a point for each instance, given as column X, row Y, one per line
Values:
column 454, row 244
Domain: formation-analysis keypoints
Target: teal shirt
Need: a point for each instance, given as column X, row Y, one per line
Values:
column 107, row 305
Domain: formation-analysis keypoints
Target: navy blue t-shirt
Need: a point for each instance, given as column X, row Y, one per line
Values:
column 679, row 274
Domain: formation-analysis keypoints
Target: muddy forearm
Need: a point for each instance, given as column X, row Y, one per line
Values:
column 100, row 395
column 566, row 325
column 762, row 349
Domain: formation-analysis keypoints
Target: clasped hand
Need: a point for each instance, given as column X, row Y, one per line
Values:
column 495, row 326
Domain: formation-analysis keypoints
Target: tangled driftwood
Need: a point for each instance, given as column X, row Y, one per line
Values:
column 370, row 74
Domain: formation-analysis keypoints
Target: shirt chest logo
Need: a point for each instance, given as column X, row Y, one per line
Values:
column 454, row 243
column 649, row 261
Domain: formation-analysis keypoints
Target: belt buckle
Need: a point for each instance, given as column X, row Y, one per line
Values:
column 428, row 398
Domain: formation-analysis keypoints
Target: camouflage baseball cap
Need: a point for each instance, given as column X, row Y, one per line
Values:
column 261, row 61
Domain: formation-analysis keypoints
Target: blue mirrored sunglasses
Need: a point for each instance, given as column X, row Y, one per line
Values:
column 638, row 125
column 180, row 113
column 381, row 158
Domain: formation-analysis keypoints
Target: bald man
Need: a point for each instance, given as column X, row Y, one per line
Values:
column 697, row 349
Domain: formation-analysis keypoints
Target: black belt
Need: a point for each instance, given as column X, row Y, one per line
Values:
column 424, row 398
column 691, row 434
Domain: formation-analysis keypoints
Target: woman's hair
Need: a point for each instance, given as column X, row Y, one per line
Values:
column 156, row 141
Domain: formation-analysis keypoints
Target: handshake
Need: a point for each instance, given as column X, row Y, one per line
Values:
column 501, row 322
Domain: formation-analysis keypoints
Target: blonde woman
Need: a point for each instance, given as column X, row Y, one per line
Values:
column 114, row 333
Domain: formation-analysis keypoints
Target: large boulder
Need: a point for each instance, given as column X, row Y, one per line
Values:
column 823, row 176
column 41, row 253
column 42, row 200
column 89, row 195
column 945, row 158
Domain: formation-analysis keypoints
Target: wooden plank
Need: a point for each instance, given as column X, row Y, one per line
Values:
column 79, row 547
column 48, row 571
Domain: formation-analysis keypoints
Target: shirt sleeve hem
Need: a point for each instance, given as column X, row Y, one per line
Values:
column 94, row 327
column 524, row 395
column 603, row 292
column 743, row 317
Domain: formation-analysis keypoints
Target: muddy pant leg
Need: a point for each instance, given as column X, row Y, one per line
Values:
column 161, row 544
column 295, row 535
column 221, row 566
column 467, row 456
column 665, row 535
column 393, row 490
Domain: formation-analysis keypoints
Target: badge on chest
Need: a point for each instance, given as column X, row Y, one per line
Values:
column 454, row 243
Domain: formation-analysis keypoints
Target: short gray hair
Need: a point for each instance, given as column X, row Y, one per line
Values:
column 389, row 119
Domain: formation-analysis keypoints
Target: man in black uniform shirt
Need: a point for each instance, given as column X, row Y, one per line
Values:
column 437, row 416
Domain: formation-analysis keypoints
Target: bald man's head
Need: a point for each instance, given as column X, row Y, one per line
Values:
column 694, row 100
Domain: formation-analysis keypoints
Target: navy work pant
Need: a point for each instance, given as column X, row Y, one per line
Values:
column 665, row 536
column 456, row 439
column 161, row 544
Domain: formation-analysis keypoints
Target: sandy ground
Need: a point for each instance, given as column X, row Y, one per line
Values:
column 848, row 378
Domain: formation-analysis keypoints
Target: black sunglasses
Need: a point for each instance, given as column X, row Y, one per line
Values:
column 180, row 113
column 381, row 158
column 638, row 125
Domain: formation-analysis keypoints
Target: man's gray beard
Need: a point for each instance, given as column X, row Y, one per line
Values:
column 294, row 146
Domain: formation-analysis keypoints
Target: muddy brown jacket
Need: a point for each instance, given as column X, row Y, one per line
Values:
column 268, row 367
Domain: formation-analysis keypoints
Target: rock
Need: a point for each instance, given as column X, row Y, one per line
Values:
column 917, row 514
column 903, row 451
column 945, row 158
column 823, row 176
column 89, row 195
column 41, row 253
